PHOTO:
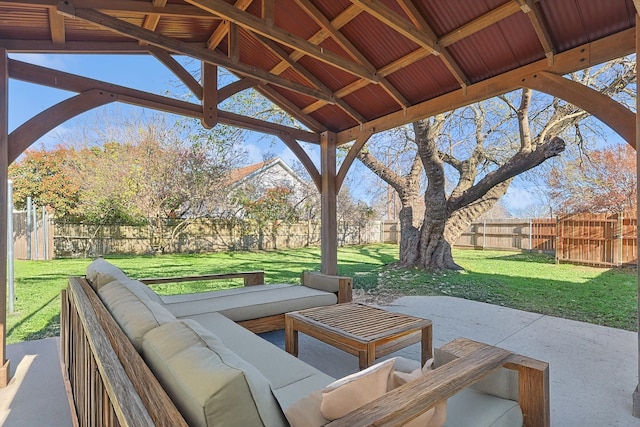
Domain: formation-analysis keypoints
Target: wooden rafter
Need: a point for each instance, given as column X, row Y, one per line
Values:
column 56, row 27
column 177, row 46
column 418, row 20
column 535, row 16
column 151, row 20
column 597, row 52
column 390, row 18
column 223, row 28
column 256, row 25
column 308, row 76
column 480, row 23
column 348, row 47
column 131, row 8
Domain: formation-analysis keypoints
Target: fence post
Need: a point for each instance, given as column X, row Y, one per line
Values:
column 28, row 227
column 35, row 232
column 620, row 237
column 530, row 234
column 558, row 240
column 484, row 233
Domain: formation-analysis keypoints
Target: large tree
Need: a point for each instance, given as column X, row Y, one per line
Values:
column 470, row 157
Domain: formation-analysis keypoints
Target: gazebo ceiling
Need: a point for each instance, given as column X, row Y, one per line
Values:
column 341, row 65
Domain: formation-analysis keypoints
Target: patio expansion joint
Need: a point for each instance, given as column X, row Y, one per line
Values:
column 541, row 316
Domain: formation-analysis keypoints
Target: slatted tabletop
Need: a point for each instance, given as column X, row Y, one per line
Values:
column 366, row 331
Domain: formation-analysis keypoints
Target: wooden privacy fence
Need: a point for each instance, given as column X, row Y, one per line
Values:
column 199, row 236
column 594, row 239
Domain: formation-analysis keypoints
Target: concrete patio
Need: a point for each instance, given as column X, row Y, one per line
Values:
column 592, row 368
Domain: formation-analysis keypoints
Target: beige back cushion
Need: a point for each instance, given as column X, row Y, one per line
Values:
column 100, row 272
column 135, row 314
column 210, row 384
column 503, row 383
column 322, row 282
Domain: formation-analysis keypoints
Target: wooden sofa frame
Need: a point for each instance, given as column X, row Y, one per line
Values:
column 110, row 384
column 252, row 278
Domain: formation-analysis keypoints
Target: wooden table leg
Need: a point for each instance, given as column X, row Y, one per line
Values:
column 290, row 336
column 427, row 344
column 367, row 357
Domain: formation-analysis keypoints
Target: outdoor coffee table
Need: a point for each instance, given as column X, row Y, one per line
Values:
column 362, row 330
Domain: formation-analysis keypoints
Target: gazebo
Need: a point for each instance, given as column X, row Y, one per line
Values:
column 344, row 69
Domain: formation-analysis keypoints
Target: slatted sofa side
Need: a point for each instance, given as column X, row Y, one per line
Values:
column 109, row 382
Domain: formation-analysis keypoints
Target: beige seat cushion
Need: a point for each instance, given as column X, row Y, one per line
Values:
column 210, row 384
column 135, row 315
column 289, row 376
column 100, row 272
column 250, row 302
column 471, row 407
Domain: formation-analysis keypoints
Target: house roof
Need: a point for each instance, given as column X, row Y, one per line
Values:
column 240, row 175
column 336, row 65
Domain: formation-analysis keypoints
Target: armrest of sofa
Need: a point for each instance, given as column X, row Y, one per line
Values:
column 403, row 404
column 250, row 278
column 340, row 285
column 532, row 381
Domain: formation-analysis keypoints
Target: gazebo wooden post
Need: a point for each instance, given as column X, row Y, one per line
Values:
column 636, row 393
column 5, row 372
column 328, row 194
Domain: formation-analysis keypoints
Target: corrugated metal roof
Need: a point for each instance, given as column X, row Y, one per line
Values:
column 481, row 39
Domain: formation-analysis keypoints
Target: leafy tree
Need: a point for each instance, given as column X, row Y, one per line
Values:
column 49, row 178
column 602, row 181
column 471, row 155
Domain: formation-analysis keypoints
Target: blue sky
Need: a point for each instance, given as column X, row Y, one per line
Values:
column 146, row 73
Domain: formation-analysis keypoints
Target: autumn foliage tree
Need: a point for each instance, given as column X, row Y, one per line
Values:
column 602, row 181
column 49, row 178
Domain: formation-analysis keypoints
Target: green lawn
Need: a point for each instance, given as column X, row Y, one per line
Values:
column 527, row 281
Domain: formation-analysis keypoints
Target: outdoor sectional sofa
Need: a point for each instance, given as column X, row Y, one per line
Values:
column 135, row 358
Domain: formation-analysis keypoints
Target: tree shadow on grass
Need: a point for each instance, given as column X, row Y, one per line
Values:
column 608, row 299
column 51, row 328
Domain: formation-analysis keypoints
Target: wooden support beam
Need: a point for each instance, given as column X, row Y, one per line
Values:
column 480, row 23
column 362, row 139
column 58, row 79
column 535, row 16
column 578, row 58
column 214, row 58
column 256, row 25
column 615, row 115
column 348, row 47
column 5, row 371
column 635, row 397
column 328, row 205
column 308, row 76
column 209, row 95
column 31, row 130
column 151, row 21
column 233, row 43
column 127, row 7
column 268, row 12
column 56, row 27
column 304, row 158
column 223, row 29
column 177, row 69
column 418, row 20
column 266, row 127
column 390, row 18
